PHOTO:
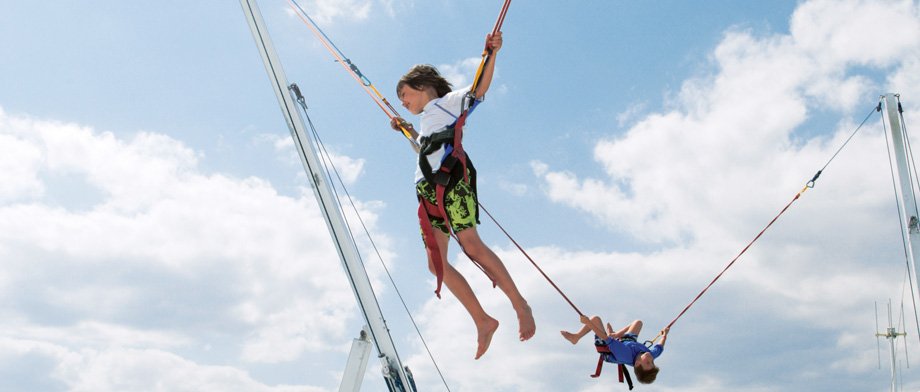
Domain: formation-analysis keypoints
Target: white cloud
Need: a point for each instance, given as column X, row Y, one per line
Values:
column 170, row 278
column 18, row 168
column 460, row 74
column 632, row 112
column 513, row 188
column 733, row 129
column 164, row 261
column 702, row 177
column 348, row 168
column 837, row 34
column 118, row 368
column 756, row 314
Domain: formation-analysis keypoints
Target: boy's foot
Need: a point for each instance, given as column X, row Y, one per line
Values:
column 571, row 337
column 527, row 326
column 485, row 331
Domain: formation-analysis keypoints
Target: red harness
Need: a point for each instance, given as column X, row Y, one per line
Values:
column 454, row 168
column 623, row 373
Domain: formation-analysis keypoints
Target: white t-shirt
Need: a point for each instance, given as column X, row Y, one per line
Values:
column 434, row 119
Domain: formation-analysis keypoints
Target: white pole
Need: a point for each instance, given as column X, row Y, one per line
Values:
column 894, row 377
column 394, row 373
column 357, row 363
column 906, row 191
column 891, row 334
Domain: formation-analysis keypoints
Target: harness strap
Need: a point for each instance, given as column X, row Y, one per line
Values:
column 425, row 210
column 444, row 110
column 622, row 372
column 431, row 244
column 603, row 350
column 444, row 180
column 458, row 145
column 600, row 366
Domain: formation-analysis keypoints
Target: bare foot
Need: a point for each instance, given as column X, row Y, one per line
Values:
column 485, row 331
column 527, row 326
column 571, row 337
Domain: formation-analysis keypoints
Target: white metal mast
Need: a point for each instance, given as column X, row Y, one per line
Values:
column 397, row 377
column 906, row 191
column 910, row 215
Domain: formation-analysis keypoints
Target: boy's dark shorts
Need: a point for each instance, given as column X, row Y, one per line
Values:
column 625, row 338
column 629, row 338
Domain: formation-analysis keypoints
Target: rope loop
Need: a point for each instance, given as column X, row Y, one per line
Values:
column 811, row 183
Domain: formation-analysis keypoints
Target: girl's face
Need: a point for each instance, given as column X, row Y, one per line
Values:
column 415, row 100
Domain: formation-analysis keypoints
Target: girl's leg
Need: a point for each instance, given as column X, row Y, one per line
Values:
column 460, row 288
column 479, row 252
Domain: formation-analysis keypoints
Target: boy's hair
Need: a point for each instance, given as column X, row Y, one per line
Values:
column 422, row 75
column 646, row 376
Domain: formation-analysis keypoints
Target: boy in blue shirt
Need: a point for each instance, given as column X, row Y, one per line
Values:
column 624, row 349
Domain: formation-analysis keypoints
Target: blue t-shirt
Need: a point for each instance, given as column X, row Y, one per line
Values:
column 625, row 352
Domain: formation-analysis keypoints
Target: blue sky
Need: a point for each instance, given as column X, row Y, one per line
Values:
column 157, row 231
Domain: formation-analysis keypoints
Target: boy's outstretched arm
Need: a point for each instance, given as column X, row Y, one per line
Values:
column 495, row 42
column 664, row 336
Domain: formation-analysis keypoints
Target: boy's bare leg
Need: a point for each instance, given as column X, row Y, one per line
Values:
column 489, row 261
column 460, row 288
column 634, row 327
column 575, row 337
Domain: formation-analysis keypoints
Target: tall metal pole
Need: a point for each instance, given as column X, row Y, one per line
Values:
column 395, row 374
column 910, row 216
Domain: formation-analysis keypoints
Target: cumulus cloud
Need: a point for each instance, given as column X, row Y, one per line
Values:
column 459, row 73
column 126, row 265
column 735, row 128
column 701, row 177
column 124, row 369
column 160, row 265
column 345, row 167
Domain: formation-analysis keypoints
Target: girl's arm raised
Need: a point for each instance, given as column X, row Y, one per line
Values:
column 495, row 43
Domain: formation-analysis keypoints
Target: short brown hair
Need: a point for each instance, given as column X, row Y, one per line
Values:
column 422, row 75
column 646, row 376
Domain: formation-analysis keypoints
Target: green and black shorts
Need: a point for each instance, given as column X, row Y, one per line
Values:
column 460, row 202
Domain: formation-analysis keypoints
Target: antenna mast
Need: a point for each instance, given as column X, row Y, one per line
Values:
column 891, row 333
